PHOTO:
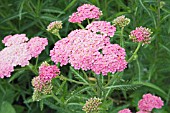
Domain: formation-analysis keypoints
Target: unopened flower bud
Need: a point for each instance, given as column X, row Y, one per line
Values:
column 54, row 27
column 92, row 105
column 121, row 21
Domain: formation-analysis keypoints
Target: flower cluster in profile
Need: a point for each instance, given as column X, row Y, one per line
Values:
column 42, row 83
column 141, row 34
column 147, row 104
column 92, row 105
column 54, row 27
column 87, row 50
column 86, row 11
column 102, row 27
column 121, row 21
column 19, row 51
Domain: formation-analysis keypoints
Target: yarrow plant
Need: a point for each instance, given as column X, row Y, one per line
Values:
column 84, row 64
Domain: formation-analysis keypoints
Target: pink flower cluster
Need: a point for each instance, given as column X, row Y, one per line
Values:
column 15, row 39
column 46, row 74
column 86, row 11
column 19, row 52
column 149, row 102
column 141, row 34
column 146, row 104
column 102, row 27
column 125, row 111
column 87, row 50
column 36, row 45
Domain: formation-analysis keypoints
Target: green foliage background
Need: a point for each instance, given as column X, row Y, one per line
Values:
column 151, row 70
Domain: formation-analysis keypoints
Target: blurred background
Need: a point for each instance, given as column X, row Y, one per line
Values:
column 151, row 68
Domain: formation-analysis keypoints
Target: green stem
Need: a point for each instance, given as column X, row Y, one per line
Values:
column 112, row 82
column 81, row 26
column 32, row 68
column 70, row 80
column 58, row 35
column 100, row 88
column 85, row 75
column 121, row 38
column 88, row 21
column 139, row 73
column 56, row 98
column 112, row 79
column 36, row 64
column 137, row 49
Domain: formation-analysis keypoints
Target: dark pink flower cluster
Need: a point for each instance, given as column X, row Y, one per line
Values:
column 47, row 72
column 141, row 34
column 125, row 111
column 19, row 53
column 86, row 11
column 102, row 27
column 147, row 103
column 87, row 50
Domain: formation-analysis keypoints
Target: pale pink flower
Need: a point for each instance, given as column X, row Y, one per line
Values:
column 149, row 102
column 86, row 11
column 111, row 59
column 36, row 45
column 18, row 53
column 5, row 69
column 102, row 27
column 61, row 51
column 15, row 39
column 141, row 34
column 87, row 50
column 125, row 111
column 85, row 46
column 48, row 72
column 76, row 18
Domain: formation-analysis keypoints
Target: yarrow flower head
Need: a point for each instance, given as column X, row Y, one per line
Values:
column 19, row 53
column 42, row 83
column 40, row 88
column 36, row 45
column 92, row 105
column 102, row 27
column 141, row 34
column 54, row 27
column 125, row 111
column 121, row 21
column 14, row 39
column 87, row 50
column 149, row 102
column 86, row 11
column 47, row 72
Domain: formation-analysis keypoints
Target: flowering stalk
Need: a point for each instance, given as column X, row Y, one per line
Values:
column 81, row 26
column 33, row 69
column 70, row 80
column 112, row 82
column 135, row 53
column 58, row 35
column 121, row 38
